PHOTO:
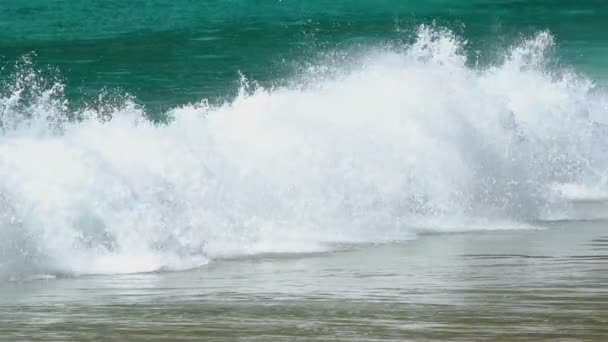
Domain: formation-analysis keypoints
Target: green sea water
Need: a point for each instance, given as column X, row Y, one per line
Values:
column 172, row 52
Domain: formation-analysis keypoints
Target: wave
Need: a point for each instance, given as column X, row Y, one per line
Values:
column 402, row 140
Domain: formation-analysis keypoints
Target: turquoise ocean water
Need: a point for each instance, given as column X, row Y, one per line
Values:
column 168, row 53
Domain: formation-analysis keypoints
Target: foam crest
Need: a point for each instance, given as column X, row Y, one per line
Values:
column 408, row 140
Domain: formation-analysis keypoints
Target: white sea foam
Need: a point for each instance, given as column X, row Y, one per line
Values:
column 580, row 192
column 406, row 139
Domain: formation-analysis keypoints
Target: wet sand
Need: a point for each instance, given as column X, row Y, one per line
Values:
column 520, row 285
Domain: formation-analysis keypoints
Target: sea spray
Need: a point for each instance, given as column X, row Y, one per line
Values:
column 405, row 139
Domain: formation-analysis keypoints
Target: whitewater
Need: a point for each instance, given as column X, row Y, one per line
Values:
column 401, row 140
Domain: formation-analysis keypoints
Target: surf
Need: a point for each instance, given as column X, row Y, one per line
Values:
column 403, row 139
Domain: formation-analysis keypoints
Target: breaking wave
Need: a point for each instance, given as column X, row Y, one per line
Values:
column 400, row 141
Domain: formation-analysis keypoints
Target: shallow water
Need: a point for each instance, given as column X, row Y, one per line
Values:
column 519, row 285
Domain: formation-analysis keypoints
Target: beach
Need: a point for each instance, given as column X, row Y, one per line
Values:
column 303, row 170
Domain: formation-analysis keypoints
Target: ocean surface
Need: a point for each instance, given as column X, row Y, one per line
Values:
column 303, row 170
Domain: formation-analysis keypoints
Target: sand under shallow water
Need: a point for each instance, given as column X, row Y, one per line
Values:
column 517, row 285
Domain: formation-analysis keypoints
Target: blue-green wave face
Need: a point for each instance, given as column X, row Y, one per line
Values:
column 145, row 135
column 172, row 52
